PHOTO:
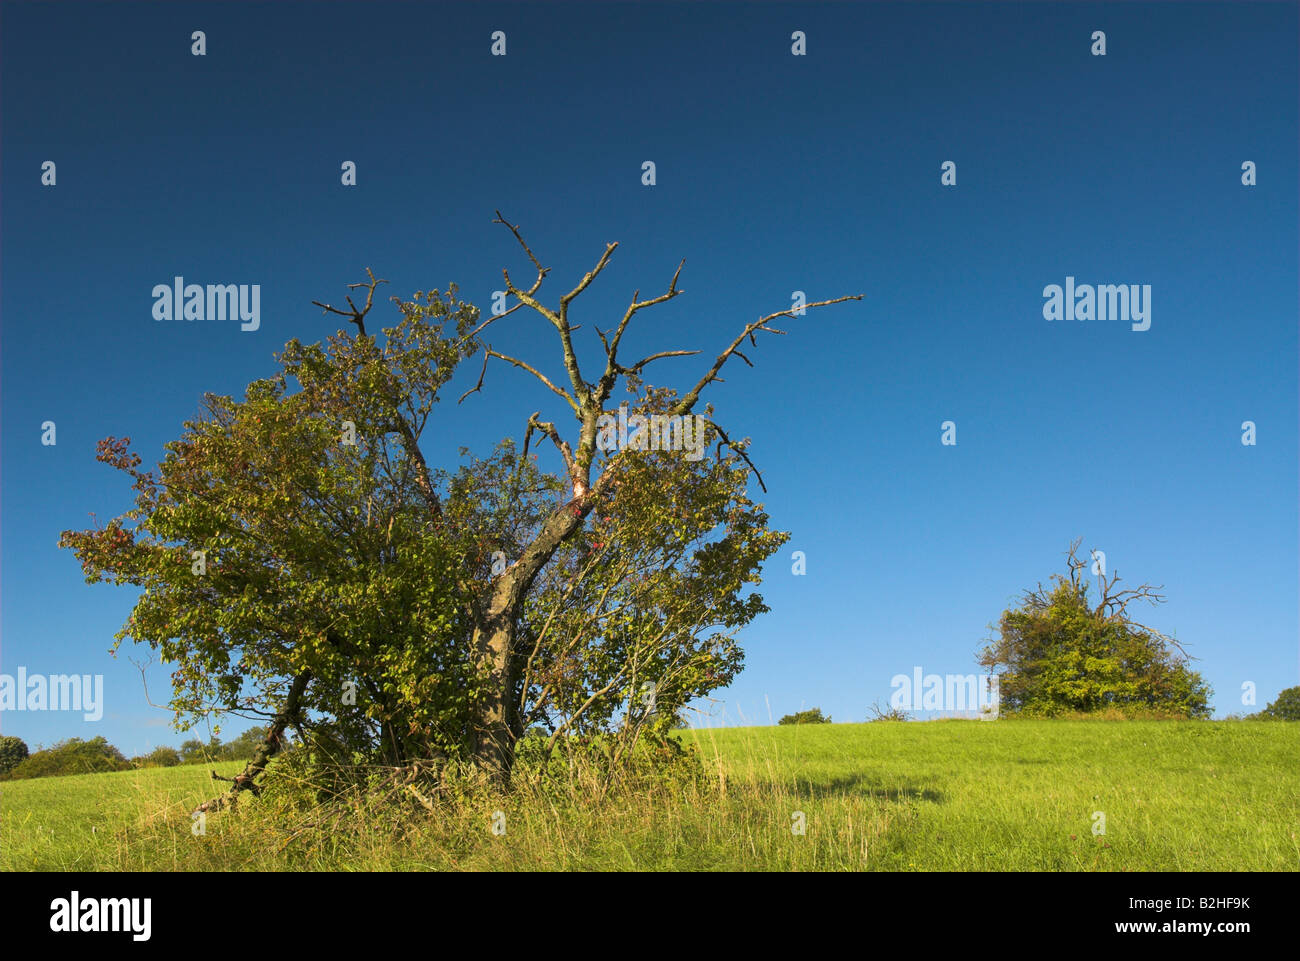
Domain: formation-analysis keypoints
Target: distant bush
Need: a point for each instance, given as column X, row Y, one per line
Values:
column 810, row 716
column 1285, row 708
column 241, row 748
column 73, row 756
column 245, row 746
column 161, row 756
column 1114, row 712
column 879, row 713
column 193, row 751
column 13, row 751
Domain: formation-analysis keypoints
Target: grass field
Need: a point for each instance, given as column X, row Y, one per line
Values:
column 950, row 796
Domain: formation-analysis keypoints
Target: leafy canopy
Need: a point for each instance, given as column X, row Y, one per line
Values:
column 1056, row 654
column 811, row 716
column 299, row 533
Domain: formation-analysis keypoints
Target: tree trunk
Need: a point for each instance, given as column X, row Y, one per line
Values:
column 496, row 726
column 494, row 734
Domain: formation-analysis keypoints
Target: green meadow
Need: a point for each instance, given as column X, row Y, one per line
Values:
column 939, row 796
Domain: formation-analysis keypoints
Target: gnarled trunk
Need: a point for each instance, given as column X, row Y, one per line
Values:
column 496, row 725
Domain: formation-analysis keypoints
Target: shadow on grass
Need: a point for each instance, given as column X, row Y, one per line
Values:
column 857, row 784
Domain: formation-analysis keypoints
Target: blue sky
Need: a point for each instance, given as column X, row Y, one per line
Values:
column 775, row 173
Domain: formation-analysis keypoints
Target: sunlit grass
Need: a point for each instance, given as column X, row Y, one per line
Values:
column 949, row 796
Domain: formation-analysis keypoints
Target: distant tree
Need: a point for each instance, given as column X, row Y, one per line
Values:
column 73, row 756
column 13, row 751
column 161, row 756
column 810, row 716
column 1285, row 708
column 1059, row 653
column 245, row 745
column 241, row 748
column 193, row 751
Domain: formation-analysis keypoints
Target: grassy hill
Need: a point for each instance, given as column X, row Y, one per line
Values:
column 78, row 823
column 959, row 795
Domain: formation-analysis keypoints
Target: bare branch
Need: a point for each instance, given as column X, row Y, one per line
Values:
column 479, row 385
column 525, row 297
column 1171, row 641
column 638, row 305
column 739, row 450
column 547, row 428
column 536, row 373
column 489, row 352
column 491, row 320
column 356, row 315
column 541, row 271
column 1115, row 603
column 587, row 278
column 689, row 400
column 288, row 712
column 636, row 368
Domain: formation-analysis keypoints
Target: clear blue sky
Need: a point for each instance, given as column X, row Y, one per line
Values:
column 775, row 173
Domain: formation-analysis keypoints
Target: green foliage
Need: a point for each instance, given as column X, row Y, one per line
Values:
column 324, row 558
column 241, row 748
column 13, row 751
column 193, row 751
column 161, row 756
column 319, row 558
column 1285, row 708
column 645, row 602
column 1057, row 655
column 72, row 756
column 811, row 716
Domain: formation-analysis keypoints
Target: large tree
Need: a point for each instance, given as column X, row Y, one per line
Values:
column 302, row 560
column 1060, row 651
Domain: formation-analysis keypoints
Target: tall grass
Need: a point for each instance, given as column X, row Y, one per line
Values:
column 952, row 796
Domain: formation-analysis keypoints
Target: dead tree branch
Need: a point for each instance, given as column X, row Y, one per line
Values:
column 353, row 313
column 289, row 713
column 688, row 401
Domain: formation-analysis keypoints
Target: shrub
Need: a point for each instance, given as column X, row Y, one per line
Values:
column 1285, row 708
column 161, row 756
column 13, row 751
column 890, row 714
column 73, row 756
column 194, row 751
column 810, row 716
column 242, row 748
